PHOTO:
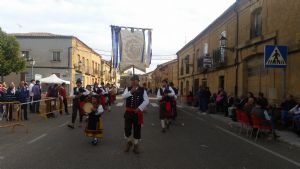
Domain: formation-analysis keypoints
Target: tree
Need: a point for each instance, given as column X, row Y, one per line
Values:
column 10, row 60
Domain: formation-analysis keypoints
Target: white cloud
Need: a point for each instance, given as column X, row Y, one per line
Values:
column 172, row 21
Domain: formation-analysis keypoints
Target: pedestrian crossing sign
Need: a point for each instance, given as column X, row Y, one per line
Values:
column 276, row 56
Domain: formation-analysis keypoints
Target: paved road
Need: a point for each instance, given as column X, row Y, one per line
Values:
column 201, row 143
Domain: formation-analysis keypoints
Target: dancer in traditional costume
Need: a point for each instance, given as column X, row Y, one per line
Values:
column 165, row 96
column 94, row 127
column 78, row 94
column 136, row 101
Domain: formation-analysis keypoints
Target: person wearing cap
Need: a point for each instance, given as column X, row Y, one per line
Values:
column 165, row 96
column 136, row 101
column 78, row 94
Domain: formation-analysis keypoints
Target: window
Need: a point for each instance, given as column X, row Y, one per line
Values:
column 221, row 82
column 56, row 56
column 205, row 49
column 256, row 23
column 25, row 54
column 187, row 67
column 181, row 69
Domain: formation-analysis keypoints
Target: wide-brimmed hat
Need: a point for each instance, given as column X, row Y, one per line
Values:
column 78, row 81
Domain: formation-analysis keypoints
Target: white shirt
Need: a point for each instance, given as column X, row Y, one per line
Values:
column 172, row 94
column 86, row 92
column 295, row 110
column 127, row 94
column 30, row 89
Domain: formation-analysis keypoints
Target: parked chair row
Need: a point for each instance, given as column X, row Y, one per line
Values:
column 252, row 123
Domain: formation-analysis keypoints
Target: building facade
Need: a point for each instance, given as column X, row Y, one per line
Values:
column 66, row 56
column 168, row 71
column 234, row 43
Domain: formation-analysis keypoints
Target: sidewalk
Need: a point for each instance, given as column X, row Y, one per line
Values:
column 285, row 136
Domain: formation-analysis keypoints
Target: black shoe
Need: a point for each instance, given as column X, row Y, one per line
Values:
column 136, row 149
column 71, row 126
column 128, row 146
column 163, row 130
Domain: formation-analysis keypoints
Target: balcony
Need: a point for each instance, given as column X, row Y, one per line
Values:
column 219, row 58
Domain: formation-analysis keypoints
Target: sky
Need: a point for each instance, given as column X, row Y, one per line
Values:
column 174, row 22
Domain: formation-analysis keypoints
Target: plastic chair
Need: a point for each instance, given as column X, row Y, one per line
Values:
column 246, row 121
column 260, row 125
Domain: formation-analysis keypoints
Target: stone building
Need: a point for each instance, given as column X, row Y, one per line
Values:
column 234, row 43
column 66, row 56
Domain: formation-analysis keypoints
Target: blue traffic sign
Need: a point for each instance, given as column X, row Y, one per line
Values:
column 275, row 56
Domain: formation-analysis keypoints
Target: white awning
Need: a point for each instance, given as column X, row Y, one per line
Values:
column 53, row 79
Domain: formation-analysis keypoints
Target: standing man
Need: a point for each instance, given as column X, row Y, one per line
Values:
column 23, row 96
column 78, row 94
column 136, row 101
column 63, row 98
column 36, row 91
column 165, row 96
column 31, row 94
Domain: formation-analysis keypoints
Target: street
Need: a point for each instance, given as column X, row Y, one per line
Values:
column 194, row 141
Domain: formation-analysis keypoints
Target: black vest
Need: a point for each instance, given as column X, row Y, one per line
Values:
column 75, row 92
column 136, row 99
column 166, row 91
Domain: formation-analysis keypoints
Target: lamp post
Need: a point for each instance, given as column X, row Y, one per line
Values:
column 223, row 42
column 32, row 63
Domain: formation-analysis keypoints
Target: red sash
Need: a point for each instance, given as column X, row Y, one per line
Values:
column 103, row 100
column 139, row 113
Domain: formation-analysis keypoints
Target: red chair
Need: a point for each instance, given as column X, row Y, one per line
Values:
column 246, row 121
column 260, row 124
column 243, row 118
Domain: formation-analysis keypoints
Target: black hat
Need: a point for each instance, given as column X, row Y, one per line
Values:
column 78, row 81
column 135, row 77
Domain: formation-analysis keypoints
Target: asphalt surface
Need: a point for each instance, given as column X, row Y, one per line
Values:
column 194, row 141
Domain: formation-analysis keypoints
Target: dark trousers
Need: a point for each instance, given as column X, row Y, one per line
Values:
column 76, row 109
column 24, row 109
column 65, row 102
column 35, row 107
column 131, row 120
column 31, row 105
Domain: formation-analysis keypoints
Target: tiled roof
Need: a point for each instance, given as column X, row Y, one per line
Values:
column 39, row 34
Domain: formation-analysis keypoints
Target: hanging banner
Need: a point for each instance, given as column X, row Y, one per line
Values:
column 132, row 50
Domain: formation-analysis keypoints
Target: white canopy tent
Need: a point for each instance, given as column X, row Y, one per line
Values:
column 53, row 79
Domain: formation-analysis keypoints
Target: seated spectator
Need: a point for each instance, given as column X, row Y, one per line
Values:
column 263, row 115
column 286, row 106
column 262, row 101
column 249, row 106
column 295, row 113
column 244, row 100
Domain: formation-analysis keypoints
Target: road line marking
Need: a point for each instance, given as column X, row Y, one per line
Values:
column 36, row 139
column 154, row 104
column 120, row 104
column 62, row 125
column 259, row 146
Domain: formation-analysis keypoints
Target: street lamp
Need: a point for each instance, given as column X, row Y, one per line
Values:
column 223, row 42
column 32, row 63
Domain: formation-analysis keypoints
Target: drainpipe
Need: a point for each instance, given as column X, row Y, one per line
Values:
column 236, row 50
column 70, row 67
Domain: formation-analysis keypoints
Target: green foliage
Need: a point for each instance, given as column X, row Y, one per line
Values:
column 10, row 61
